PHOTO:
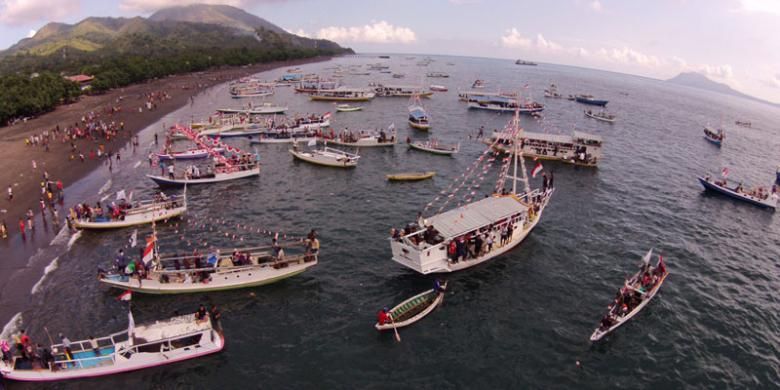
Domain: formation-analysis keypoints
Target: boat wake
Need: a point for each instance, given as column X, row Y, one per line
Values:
column 49, row 269
column 105, row 187
column 61, row 237
column 11, row 327
column 73, row 239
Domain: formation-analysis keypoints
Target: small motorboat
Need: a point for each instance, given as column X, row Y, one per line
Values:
column 714, row 136
column 348, row 108
column 411, row 176
column 635, row 294
column 600, row 115
column 413, row 309
column 328, row 157
column 747, row 124
column 758, row 196
column 438, row 88
column 589, row 99
column 435, row 147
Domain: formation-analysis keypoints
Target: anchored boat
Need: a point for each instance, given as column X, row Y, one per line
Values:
column 589, row 99
column 343, row 94
column 140, row 346
column 191, row 154
column 714, row 136
column 505, row 104
column 363, row 138
column 580, row 148
column 411, row 176
column 433, row 146
column 400, row 91
column 348, row 108
column 635, row 294
column 477, row 230
column 418, row 117
column 759, row 196
column 326, row 156
column 264, row 109
column 218, row 270
column 600, row 115
column 140, row 213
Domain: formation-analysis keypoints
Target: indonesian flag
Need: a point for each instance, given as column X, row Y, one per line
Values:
column 326, row 116
column 149, row 250
column 725, row 172
column 125, row 296
column 537, row 169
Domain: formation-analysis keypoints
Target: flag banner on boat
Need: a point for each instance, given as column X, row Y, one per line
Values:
column 537, row 169
column 125, row 296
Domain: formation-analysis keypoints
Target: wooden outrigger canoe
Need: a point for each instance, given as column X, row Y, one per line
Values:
column 411, row 176
column 599, row 333
column 413, row 309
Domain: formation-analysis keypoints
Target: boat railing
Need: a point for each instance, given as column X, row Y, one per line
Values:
column 135, row 348
column 240, row 268
column 251, row 250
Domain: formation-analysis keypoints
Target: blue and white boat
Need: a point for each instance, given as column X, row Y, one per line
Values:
column 759, row 196
column 589, row 99
column 714, row 136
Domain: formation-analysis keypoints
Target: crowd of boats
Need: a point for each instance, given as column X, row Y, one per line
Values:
column 441, row 239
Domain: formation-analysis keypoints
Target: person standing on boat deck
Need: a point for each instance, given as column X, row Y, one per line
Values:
column 120, row 262
column 545, row 182
column 171, row 171
column 95, row 346
column 215, row 317
column 200, row 315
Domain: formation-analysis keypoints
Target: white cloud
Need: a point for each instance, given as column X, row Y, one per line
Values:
column 18, row 12
column 716, row 71
column 299, row 32
column 774, row 81
column 377, row 32
column 630, row 56
column 545, row 44
column 31, row 33
column 513, row 39
column 760, row 6
column 596, row 5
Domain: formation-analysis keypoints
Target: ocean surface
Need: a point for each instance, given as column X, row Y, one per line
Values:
column 519, row 321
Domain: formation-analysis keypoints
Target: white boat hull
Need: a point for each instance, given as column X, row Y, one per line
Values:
column 220, row 177
column 250, row 276
column 155, row 215
column 322, row 160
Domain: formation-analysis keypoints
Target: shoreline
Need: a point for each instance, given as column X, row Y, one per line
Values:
column 26, row 257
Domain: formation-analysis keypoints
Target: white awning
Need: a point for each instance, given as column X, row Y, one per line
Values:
column 473, row 216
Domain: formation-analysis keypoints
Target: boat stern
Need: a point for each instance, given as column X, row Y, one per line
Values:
column 432, row 259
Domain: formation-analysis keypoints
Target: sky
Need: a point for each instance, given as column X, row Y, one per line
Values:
column 735, row 42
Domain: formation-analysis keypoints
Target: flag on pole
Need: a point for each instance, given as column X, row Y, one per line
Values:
column 134, row 238
column 537, row 169
column 125, row 296
column 149, row 250
column 391, row 127
column 725, row 172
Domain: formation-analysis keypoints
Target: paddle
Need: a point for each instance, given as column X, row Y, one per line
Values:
column 397, row 336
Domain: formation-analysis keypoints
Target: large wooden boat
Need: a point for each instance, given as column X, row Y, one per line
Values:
column 413, row 309
column 758, row 196
column 263, row 109
column 141, row 213
column 441, row 242
column 505, row 104
column 217, row 270
column 580, row 148
column 418, row 117
column 401, row 91
column 190, row 154
column 138, row 347
column 634, row 296
column 361, row 139
column 342, row 94
column 219, row 174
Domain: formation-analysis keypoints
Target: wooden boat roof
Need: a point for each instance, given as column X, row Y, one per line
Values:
column 176, row 326
column 475, row 215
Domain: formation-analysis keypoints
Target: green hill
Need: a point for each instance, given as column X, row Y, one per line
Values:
column 122, row 51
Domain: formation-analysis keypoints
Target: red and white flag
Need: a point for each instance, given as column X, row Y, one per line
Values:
column 149, row 250
column 125, row 296
column 725, row 172
column 536, row 169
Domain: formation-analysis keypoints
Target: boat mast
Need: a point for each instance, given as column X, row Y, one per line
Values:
column 518, row 131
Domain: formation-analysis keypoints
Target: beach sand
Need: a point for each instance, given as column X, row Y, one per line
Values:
column 19, row 267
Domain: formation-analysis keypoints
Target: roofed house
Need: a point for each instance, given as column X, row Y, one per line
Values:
column 82, row 80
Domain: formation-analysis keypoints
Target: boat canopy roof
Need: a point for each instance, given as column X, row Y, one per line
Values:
column 176, row 326
column 417, row 113
column 557, row 138
column 473, row 216
column 587, row 137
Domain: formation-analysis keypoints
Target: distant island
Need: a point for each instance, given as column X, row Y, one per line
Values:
column 700, row 81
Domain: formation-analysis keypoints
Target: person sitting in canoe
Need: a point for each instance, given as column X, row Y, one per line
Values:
column 383, row 317
column 438, row 286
